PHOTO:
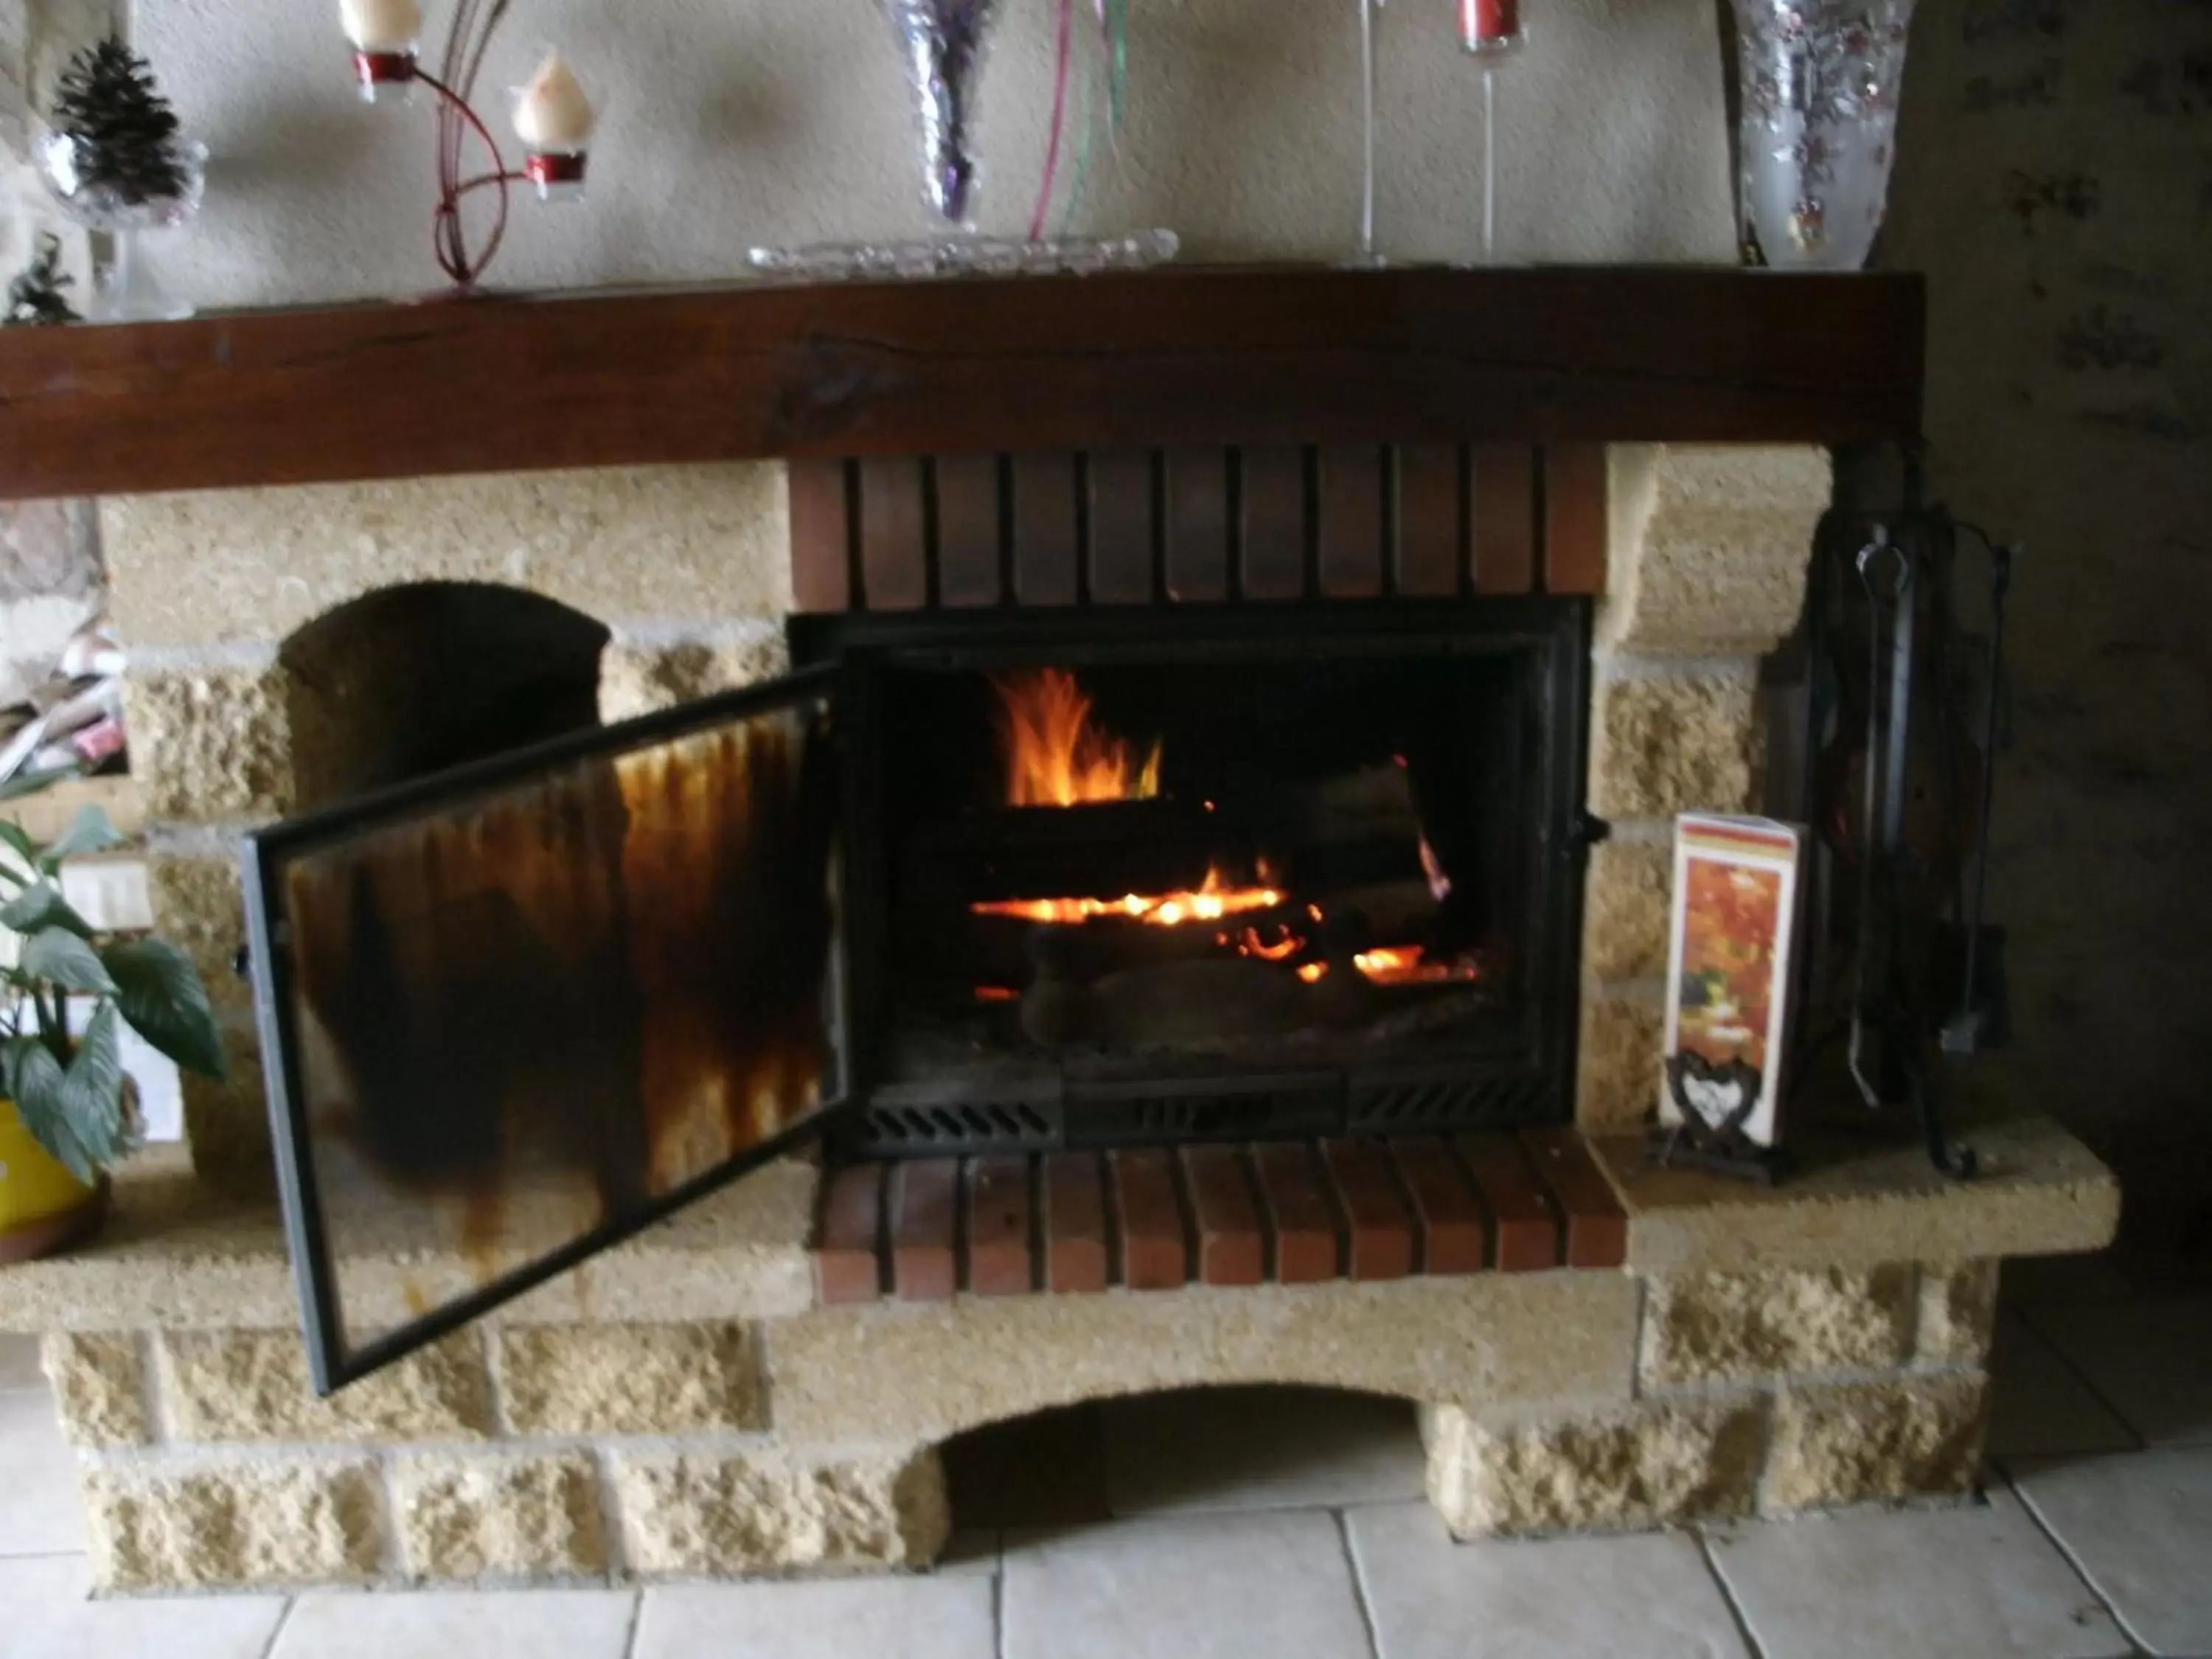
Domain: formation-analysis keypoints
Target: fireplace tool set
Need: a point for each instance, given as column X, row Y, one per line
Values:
column 1905, row 708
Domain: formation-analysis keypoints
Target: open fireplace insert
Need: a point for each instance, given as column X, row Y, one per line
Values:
column 961, row 884
column 1152, row 879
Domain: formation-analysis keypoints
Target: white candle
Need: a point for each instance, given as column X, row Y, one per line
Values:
column 552, row 113
column 381, row 25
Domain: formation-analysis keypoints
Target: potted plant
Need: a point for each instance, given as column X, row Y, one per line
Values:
column 68, row 1112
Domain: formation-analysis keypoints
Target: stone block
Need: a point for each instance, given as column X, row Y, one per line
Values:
column 468, row 1517
column 212, row 743
column 629, row 1379
column 1668, row 742
column 621, row 545
column 227, row 1123
column 915, row 1373
column 1653, row 1464
column 771, row 1512
column 200, row 908
column 1848, row 1443
column 99, row 1381
column 1958, row 1313
column 1858, row 1202
column 642, row 677
column 1709, row 546
column 1618, row 1077
column 156, row 1526
column 1719, row 1326
column 1628, row 910
column 252, row 1385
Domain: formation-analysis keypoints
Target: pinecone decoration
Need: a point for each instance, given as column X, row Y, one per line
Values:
column 121, row 130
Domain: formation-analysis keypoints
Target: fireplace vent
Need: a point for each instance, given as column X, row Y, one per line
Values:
column 1446, row 1100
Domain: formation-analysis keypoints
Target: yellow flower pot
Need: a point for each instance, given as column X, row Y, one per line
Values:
column 43, row 1208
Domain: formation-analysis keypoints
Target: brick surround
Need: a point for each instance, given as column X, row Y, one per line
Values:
column 1288, row 1213
column 1594, row 1344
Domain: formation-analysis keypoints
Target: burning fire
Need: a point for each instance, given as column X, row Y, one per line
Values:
column 1408, row 965
column 1209, row 903
column 1057, row 755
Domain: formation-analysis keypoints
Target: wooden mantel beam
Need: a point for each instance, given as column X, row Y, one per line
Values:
column 1273, row 355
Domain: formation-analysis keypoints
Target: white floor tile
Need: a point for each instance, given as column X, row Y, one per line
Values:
column 1273, row 1586
column 969, row 1553
column 19, row 1362
column 2141, row 1527
column 45, row 1614
column 2039, row 1405
column 40, row 1511
column 851, row 1619
column 458, row 1624
column 2150, row 1357
column 1260, row 1449
column 1571, row 1598
column 1975, row 1582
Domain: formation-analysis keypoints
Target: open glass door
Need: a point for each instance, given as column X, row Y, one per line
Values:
column 521, row 1010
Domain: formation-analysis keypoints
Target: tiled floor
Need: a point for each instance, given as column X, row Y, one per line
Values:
column 1277, row 1525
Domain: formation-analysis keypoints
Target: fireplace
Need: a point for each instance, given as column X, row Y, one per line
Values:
column 1123, row 878
column 1010, row 881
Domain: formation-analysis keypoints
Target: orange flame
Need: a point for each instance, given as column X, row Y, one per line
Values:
column 1280, row 951
column 1209, row 903
column 1056, row 756
column 1408, row 965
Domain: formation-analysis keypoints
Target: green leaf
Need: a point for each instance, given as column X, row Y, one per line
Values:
column 41, row 1092
column 41, row 906
column 90, row 832
column 160, row 996
column 13, row 835
column 12, row 1054
column 92, row 1094
column 60, row 957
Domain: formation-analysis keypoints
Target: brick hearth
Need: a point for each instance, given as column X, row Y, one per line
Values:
column 1288, row 1213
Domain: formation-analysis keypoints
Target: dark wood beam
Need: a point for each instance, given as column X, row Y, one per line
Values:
column 1184, row 357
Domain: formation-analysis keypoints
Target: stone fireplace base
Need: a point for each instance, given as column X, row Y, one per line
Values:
column 687, row 1406
column 690, row 1403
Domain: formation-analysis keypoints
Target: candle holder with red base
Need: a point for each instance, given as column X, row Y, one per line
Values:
column 387, row 36
column 1490, row 32
column 551, row 116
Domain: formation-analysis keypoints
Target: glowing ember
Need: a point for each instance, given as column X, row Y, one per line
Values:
column 1313, row 972
column 1056, row 756
column 1209, row 903
column 1408, row 965
column 1282, row 949
column 997, row 993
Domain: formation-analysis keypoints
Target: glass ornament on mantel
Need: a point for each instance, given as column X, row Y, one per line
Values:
column 126, row 291
column 942, row 46
column 1820, row 81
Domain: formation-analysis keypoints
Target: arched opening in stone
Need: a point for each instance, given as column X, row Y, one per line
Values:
column 412, row 680
column 1183, row 1451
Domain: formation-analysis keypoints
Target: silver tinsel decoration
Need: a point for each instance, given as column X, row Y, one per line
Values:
column 942, row 43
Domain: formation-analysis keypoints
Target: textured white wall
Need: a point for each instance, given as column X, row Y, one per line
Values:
column 2054, row 181
column 732, row 122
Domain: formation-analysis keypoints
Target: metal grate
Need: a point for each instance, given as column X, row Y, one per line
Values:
column 1011, row 1125
column 1227, row 1109
column 1437, row 1100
